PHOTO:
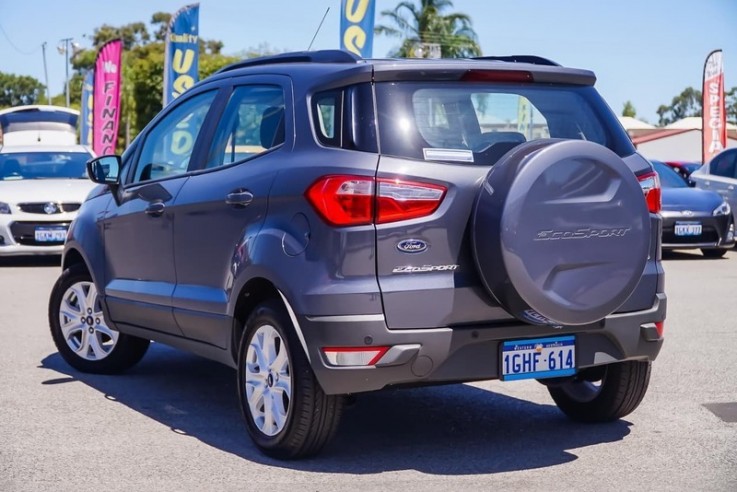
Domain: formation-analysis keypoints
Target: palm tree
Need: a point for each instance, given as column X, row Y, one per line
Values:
column 425, row 25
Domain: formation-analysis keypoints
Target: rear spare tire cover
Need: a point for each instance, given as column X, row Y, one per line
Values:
column 560, row 232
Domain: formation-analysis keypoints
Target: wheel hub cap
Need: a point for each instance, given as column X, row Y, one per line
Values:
column 268, row 383
column 82, row 323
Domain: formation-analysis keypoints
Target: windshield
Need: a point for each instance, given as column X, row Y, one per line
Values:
column 477, row 123
column 668, row 177
column 43, row 165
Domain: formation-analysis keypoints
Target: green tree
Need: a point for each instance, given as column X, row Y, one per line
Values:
column 685, row 104
column 629, row 109
column 19, row 90
column 425, row 24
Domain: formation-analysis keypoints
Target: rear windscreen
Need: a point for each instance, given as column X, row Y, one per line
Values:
column 477, row 123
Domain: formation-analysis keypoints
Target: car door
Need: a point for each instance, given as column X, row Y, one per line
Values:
column 140, row 274
column 221, row 208
column 721, row 177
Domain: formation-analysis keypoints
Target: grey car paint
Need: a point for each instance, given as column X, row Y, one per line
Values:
column 188, row 288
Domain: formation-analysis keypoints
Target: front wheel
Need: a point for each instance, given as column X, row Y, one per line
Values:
column 603, row 393
column 287, row 414
column 80, row 332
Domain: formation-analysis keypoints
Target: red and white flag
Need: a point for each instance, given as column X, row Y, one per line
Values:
column 714, row 124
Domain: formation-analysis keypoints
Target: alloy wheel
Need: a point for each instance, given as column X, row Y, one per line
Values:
column 268, row 381
column 83, row 325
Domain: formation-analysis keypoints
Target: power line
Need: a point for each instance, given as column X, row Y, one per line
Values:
column 22, row 52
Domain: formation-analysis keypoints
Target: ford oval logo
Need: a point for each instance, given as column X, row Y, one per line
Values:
column 412, row 246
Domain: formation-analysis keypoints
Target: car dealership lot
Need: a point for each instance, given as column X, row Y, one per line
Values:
column 172, row 423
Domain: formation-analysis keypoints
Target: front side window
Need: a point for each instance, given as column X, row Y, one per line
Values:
column 477, row 123
column 253, row 122
column 169, row 145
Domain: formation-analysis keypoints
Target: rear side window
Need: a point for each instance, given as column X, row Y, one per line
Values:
column 479, row 122
column 344, row 118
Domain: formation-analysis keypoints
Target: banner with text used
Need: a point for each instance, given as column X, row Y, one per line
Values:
column 182, row 52
column 357, row 26
column 106, row 99
column 85, row 126
column 714, row 116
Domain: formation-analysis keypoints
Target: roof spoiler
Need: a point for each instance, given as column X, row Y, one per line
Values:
column 321, row 56
column 532, row 59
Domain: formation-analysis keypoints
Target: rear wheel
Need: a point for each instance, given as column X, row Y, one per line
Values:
column 714, row 253
column 80, row 332
column 604, row 393
column 287, row 414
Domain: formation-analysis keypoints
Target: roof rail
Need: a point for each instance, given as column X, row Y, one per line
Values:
column 321, row 56
column 535, row 60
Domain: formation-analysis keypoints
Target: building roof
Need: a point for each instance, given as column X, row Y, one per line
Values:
column 692, row 123
column 630, row 123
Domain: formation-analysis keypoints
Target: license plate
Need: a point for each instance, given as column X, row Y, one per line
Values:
column 539, row 358
column 688, row 229
column 51, row 234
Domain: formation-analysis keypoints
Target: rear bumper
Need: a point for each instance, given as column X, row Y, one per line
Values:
column 464, row 353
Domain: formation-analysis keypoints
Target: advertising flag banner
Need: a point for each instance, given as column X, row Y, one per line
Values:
column 357, row 26
column 106, row 99
column 85, row 127
column 182, row 52
column 714, row 116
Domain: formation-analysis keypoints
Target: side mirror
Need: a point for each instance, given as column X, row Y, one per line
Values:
column 105, row 169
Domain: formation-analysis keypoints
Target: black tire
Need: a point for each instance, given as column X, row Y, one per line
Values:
column 622, row 387
column 121, row 354
column 312, row 417
column 714, row 253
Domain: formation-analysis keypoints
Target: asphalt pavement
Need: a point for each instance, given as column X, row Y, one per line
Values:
column 172, row 423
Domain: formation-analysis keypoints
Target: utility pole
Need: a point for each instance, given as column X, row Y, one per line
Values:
column 64, row 49
column 46, row 74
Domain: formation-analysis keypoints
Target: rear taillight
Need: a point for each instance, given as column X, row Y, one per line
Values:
column 359, row 200
column 650, row 184
column 402, row 200
column 343, row 200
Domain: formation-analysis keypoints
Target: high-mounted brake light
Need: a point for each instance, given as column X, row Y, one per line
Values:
column 354, row 356
column 497, row 76
column 346, row 200
column 650, row 184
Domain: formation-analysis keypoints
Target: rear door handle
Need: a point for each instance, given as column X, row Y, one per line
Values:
column 239, row 198
column 155, row 209
column 730, row 187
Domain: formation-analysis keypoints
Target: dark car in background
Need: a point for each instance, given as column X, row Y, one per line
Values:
column 684, row 168
column 693, row 218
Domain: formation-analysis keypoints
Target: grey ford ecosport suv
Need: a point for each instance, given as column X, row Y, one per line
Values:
column 328, row 225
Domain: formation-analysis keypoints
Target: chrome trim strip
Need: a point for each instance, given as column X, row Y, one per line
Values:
column 297, row 328
column 351, row 318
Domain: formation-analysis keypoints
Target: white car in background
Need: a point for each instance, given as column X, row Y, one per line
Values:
column 41, row 189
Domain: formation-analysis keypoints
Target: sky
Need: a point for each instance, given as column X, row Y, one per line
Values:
column 644, row 51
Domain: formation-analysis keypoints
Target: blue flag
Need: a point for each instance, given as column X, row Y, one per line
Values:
column 85, row 127
column 181, row 57
column 357, row 26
